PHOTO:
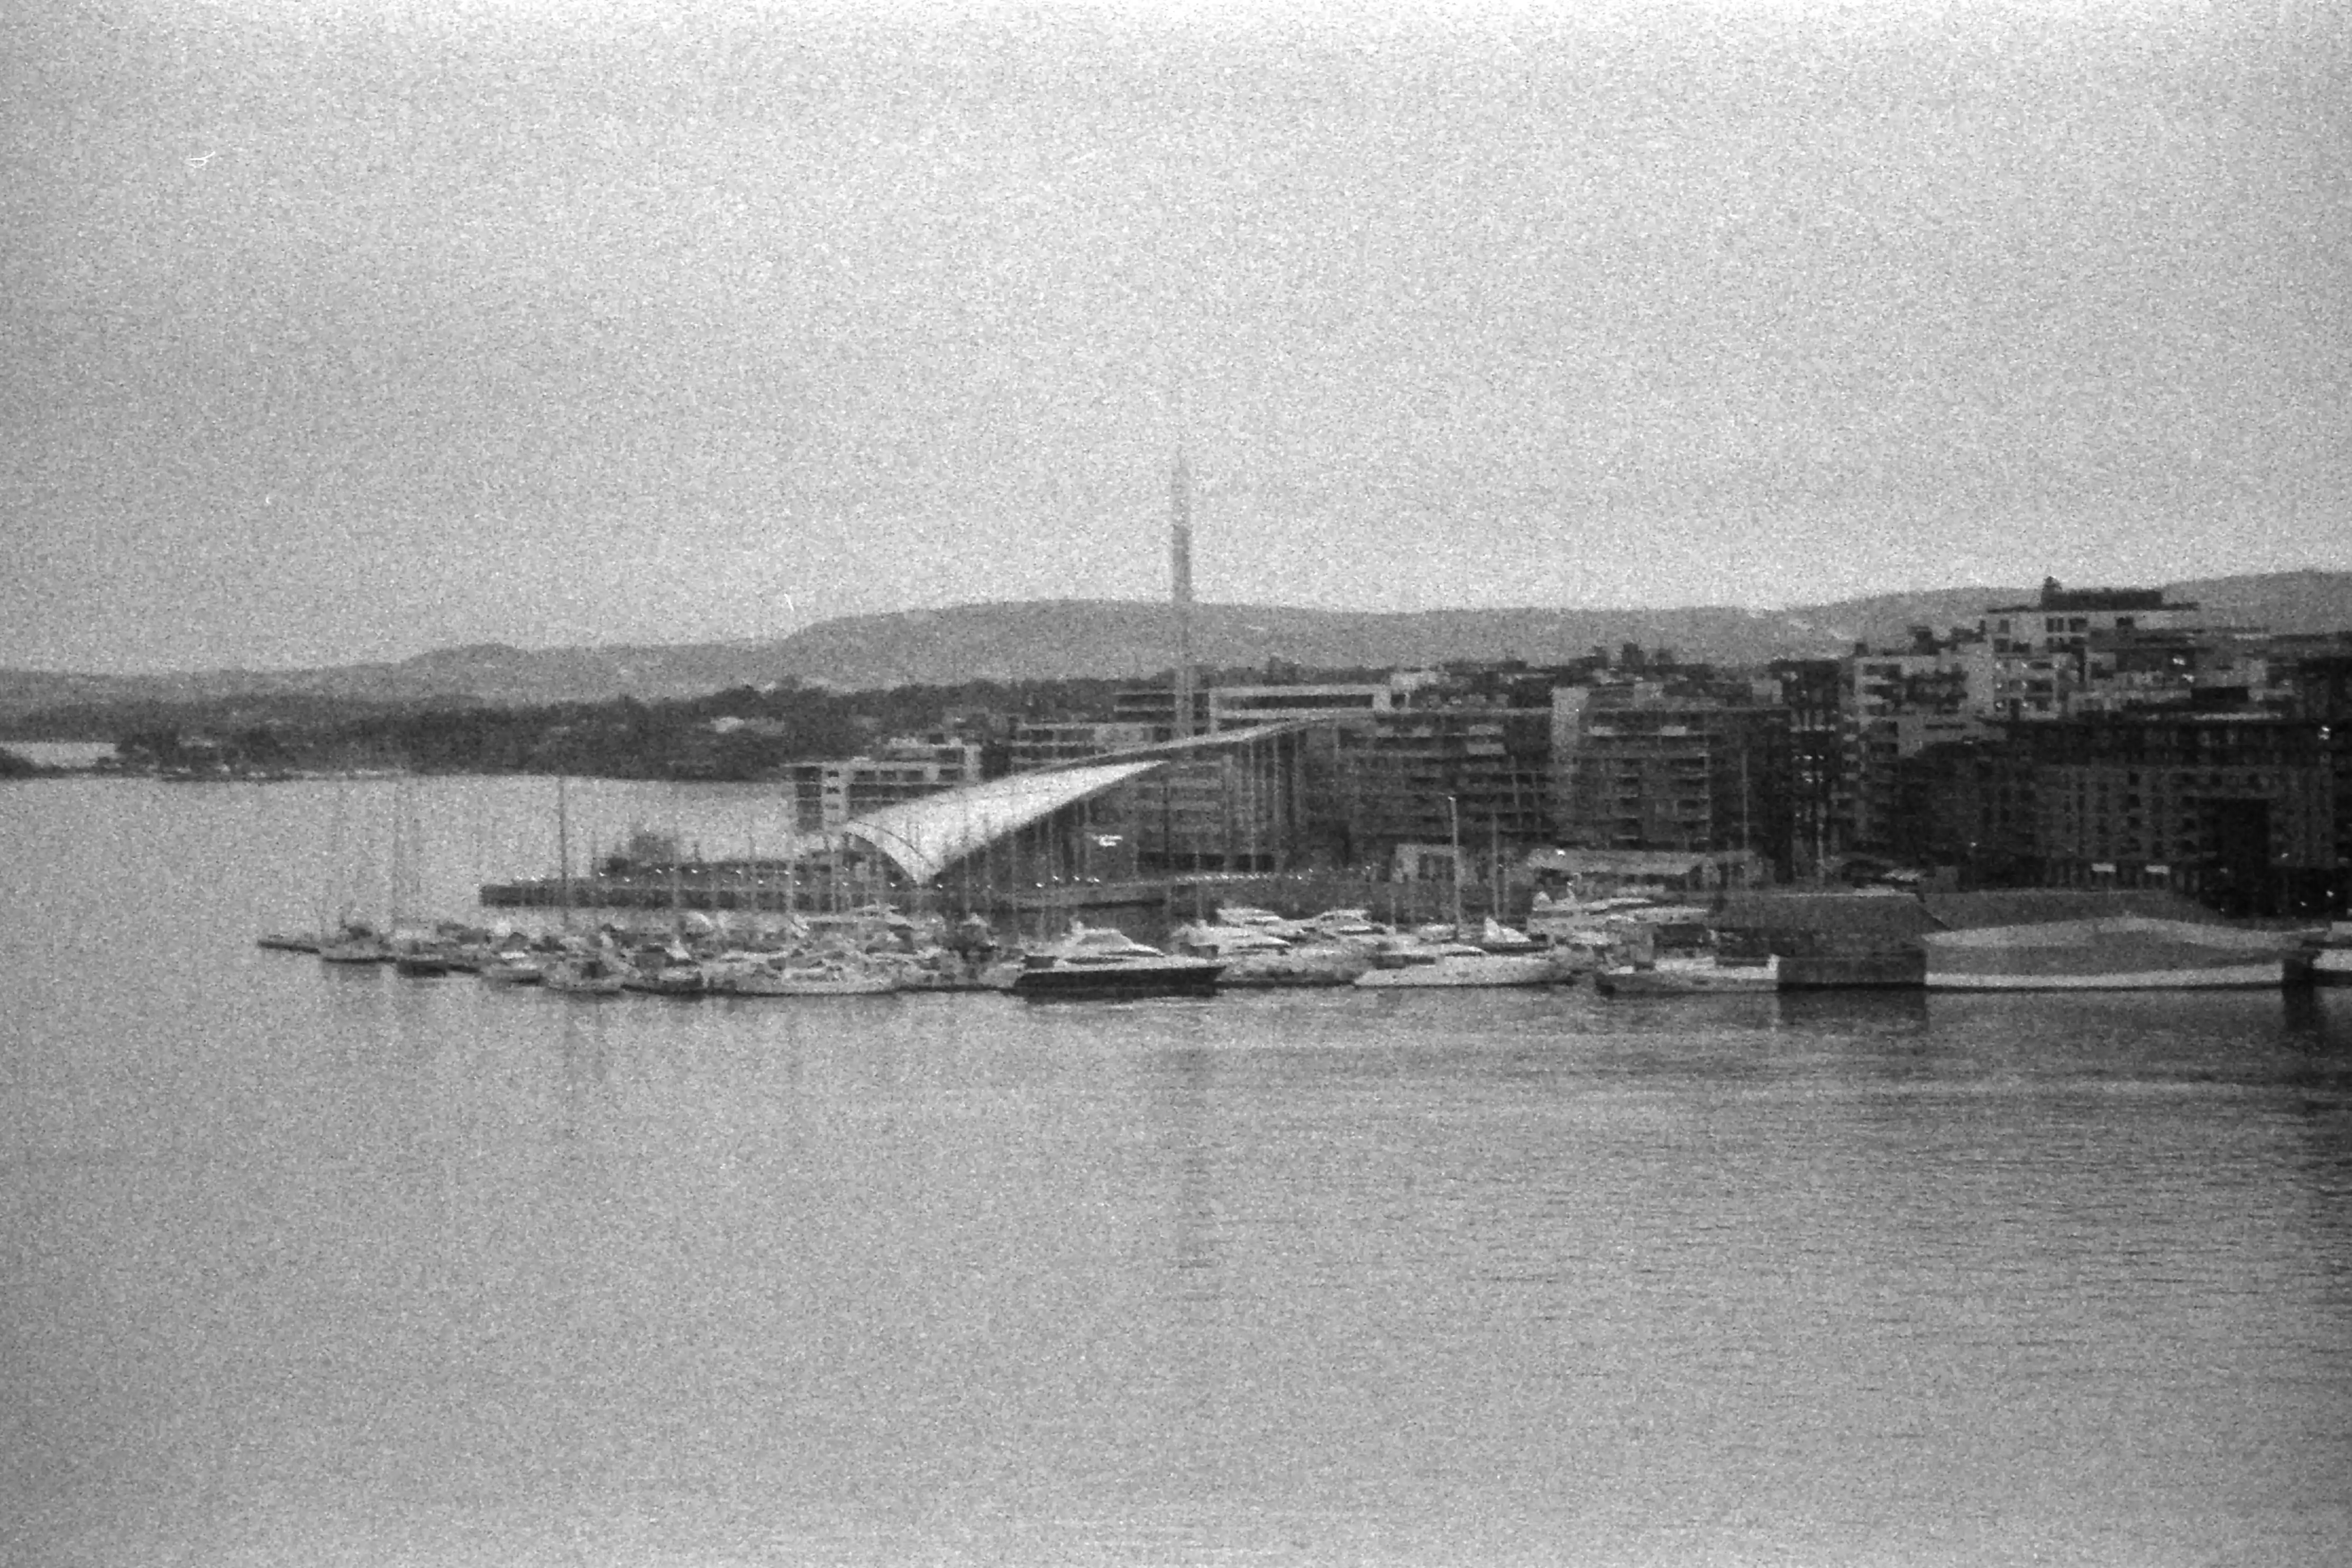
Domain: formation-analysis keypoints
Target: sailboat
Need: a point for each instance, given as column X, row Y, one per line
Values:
column 580, row 969
column 416, row 954
column 668, row 969
column 352, row 940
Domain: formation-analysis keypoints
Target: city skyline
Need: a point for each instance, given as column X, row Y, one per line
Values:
column 566, row 325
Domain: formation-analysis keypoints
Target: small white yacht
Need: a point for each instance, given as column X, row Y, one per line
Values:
column 1687, row 975
column 1434, row 964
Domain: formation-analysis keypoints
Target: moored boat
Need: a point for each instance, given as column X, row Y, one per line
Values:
column 1255, row 955
column 513, row 967
column 663, row 972
column 420, row 957
column 354, row 942
column 1106, row 962
column 2330, row 963
column 803, row 975
column 590, row 974
column 1688, row 975
column 2126, row 952
column 1436, row 963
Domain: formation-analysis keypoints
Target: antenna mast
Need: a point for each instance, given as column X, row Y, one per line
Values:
column 1180, row 551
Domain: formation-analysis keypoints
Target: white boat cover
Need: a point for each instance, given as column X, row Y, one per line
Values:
column 923, row 837
column 2127, row 944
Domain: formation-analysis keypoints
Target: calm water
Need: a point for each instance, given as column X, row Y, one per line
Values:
column 308, row 1266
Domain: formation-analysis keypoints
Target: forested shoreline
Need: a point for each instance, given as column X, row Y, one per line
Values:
column 741, row 733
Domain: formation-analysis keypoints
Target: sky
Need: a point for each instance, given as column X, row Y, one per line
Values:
column 334, row 331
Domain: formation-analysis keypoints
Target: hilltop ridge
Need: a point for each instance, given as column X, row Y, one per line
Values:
column 1120, row 639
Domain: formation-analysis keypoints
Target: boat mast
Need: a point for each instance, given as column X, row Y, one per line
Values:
column 1179, row 551
column 676, row 895
column 563, row 848
column 1495, row 860
column 1454, row 817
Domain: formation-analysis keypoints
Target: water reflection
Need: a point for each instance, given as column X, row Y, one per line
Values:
column 1182, row 1082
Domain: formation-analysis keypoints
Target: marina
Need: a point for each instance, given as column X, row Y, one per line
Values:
column 447, row 1271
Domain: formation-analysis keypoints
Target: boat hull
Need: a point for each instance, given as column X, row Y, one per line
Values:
column 2127, row 953
column 1667, row 980
column 1173, row 977
column 2269, row 976
column 786, row 983
column 1495, row 969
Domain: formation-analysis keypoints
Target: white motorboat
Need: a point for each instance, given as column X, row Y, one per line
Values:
column 802, row 975
column 1218, row 940
column 1347, row 925
column 596, row 973
column 1434, row 964
column 1493, row 936
column 2330, row 963
column 1251, row 915
column 1254, row 956
column 1701, row 975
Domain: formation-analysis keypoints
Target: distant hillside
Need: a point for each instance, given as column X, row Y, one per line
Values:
column 1119, row 639
column 1054, row 639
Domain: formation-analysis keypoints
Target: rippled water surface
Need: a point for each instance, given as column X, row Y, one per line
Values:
column 304, row 1265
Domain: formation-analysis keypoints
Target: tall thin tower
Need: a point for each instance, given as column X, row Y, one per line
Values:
column 1179, row 553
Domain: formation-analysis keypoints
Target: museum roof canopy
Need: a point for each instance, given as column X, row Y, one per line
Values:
column 923, row 837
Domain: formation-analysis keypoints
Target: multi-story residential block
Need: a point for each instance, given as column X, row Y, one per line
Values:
column 1819, row 799
column 2243, row 809
column 2235, row 808
column 1687, row 773
column 1482, row 763
column 2032, row 660
column 1968, row 805
column 1386, row 763
column 1897, row 704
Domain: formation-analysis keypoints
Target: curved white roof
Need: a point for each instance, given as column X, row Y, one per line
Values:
column 925, row 837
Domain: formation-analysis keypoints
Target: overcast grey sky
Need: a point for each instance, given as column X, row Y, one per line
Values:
column 341, row 332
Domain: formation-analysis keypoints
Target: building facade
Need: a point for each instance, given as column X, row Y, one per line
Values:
column 2032, row 661
column 827, row 793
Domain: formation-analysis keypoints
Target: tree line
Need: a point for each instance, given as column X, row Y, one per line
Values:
column 622, row 737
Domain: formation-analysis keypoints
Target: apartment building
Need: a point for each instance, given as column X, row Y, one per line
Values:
column 1688, row 773
column 2239, row 808
column 2031, row 661
column 1899, row 703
